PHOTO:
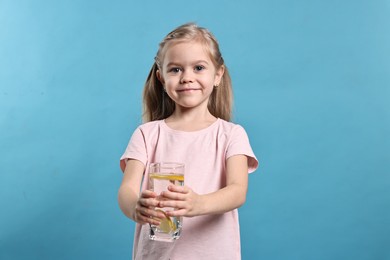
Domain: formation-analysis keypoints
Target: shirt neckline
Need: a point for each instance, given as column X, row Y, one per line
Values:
column 167, row 128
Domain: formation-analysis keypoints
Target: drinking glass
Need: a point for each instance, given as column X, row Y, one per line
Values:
column 161, row 175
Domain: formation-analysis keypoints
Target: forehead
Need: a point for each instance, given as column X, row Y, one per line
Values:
column 186, row 49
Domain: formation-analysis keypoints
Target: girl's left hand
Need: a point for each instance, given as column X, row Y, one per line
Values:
column 185, row 201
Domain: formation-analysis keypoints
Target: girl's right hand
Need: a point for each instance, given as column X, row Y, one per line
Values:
column 145, row 209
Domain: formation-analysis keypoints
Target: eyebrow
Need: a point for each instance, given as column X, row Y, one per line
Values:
column 196, row 62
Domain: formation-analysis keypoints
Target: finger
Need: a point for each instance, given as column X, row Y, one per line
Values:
column 176, row 188
column 167, row 195
column 148, row 194
column 149, row 202
column 151, row 216
column 142, row 219
column 150, row 212
column 177, row 213
column 177, row 204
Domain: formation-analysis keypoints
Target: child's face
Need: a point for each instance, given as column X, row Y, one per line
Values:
column 188, row 74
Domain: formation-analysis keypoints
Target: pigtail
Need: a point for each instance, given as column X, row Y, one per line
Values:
column 157, row 104
column 221, row 100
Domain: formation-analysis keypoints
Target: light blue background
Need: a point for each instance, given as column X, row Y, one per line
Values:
column 312, row 88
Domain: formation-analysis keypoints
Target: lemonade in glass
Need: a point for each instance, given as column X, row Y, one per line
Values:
column 161, row 175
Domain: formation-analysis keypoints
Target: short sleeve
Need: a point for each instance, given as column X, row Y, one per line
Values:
column 136, row 149
column 239, row 144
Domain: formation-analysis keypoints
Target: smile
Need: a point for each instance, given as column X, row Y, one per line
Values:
column 187, row 90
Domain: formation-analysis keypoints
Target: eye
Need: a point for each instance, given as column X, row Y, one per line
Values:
column 174, row 70
column 199, row 68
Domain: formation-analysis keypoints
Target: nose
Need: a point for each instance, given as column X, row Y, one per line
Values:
column 186, row 77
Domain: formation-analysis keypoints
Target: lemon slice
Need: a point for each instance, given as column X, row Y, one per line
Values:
column 166, row 225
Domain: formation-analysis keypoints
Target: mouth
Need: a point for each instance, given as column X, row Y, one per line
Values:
column 187, row 89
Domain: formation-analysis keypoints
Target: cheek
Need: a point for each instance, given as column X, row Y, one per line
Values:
column 168, row 82
column 171, row 80
column 211, row 80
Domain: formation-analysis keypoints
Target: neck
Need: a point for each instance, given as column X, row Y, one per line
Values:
column 190, row 120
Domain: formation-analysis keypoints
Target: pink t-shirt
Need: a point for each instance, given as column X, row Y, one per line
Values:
column 204, row 154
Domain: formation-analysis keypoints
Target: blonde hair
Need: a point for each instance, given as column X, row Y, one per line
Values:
column 158, row 105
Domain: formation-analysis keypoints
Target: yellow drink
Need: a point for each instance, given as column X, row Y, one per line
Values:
column 160, row 177
column 171, row 177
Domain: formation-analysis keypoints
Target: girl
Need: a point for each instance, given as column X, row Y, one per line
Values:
column 187, row 109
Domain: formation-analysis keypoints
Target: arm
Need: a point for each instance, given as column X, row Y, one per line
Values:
column 232, row 196
column 136, row 206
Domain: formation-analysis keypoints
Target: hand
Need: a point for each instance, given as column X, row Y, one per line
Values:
column 144, row 209
column 185, row 201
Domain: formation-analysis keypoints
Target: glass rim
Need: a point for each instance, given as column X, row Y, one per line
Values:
column 167, row 165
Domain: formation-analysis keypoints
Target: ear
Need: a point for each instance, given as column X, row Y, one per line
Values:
column 218, row 75
column 160, row 77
